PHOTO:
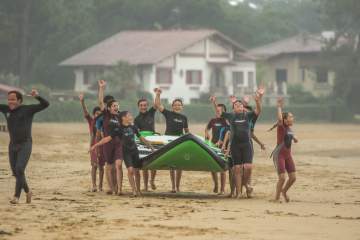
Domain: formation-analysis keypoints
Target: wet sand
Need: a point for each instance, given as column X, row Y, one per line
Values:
column 325, row 199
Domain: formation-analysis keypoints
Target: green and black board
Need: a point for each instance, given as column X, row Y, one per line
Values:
column 188, row 153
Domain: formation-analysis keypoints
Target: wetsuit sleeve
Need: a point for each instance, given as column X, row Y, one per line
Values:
column 152, row 111
column 136, row 122
column 226, row 115
column 209, row 125
column 34, row 108
column 4, row 108
column 136, row 131
column 186, row 122
column 165, row 113
column 221, row 134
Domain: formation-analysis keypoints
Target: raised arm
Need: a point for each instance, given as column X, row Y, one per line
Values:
column 84, row 108
column 102, row 85
column 280, row 104
column 157, row 102
column 213, row 101
column 258, row 100
column 34, row 108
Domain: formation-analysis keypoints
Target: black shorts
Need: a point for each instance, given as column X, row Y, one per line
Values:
column 241, row 153
column 132, row 159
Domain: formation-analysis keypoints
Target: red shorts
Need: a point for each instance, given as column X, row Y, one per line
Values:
column 97, row 157
column 285, row 162
column 113, row 150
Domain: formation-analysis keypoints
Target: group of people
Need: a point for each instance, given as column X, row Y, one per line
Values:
column 113, row 142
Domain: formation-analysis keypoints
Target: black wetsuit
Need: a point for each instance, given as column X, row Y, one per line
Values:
column 240, row 141
column 19, row 122
column 127, row 136
column 175, row 123
column 146, row 121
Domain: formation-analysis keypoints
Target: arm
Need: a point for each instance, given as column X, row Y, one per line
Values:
column 262, row 145
column 296, row 140
column 147, row 143
column 42, row 102
column 213, row 101
column 186, row 127
column 280, row 104
column 157, row 102
column 84, row 108
column 102, row 142
column 225, row 141
column 207, row 136
column 102, row 85
column 258, row 99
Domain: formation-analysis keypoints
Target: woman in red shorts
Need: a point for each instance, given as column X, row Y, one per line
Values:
column 282, row 154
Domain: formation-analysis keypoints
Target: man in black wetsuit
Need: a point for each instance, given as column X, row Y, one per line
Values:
column 145, row 121
column 19, row 121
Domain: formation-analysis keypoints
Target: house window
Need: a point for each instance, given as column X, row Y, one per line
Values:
column 193, row 77
column 163, row 76
column 321, row 75
column 238, row 79
column 251, row 80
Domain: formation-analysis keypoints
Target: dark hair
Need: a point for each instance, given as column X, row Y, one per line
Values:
column 122, row 114
column 222, row 105
column 109, row 103
column 239, row 101
column 108, row 98
column 141, row 100
column 18, row 94
column 177, row 100
column 95, row 109
column 284, row 116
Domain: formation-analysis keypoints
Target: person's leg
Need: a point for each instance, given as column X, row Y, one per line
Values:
column 101, row 177
column 152, row 179
column 238, row 179
column 119, row 175
column 290, row 168
column 231, row 182
column 115, row 177
column 109, row 178
column 216, row 182
column 22, row 158
column 247, row 175
column 172, row 178
column 222, row 182
column 178, row 179
column 146, row 179
column 131, row 180
column 93, row 160
column 279, row 186
column 12, row 161
column 137, row 180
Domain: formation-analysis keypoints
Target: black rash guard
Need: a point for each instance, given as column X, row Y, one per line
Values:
column 146, row 121
column 175, row 123
column 20, row 120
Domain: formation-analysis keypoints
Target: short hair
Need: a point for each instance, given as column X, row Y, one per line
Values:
column 123, row 114
column 108, row 98
column 110, row 102
column 177, row 100
column 95, row 109
column 18, row 94
column 141, row 100
column 237, row 101
column 222, row 105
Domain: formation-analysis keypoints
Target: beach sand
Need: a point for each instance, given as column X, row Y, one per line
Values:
column 325, row 199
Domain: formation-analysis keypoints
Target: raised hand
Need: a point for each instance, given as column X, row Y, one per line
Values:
column 34, row 93
column 280, row 102
column 246, row 99
column 157, row 90
column 81, row 97
column 260, row 92
column 232, row 99
column 212, row 99
column 102, row 83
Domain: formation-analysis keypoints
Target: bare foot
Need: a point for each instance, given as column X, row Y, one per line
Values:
column 178, row 190
column 139, row 193
column 153, row 186
column 249, row 191
column 15, row 200
column 109, row 192
column 100, row 189
column 94, row 189
column 28, row 197
column 216, row 190
column 173, row 191
column 221, row 193
column 231, row 195
column 286, row 197
column 275, row 200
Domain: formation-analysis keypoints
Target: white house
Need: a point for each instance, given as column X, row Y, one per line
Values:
column 183, row 63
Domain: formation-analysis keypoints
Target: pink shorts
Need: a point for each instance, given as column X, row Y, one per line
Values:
column 286, row 163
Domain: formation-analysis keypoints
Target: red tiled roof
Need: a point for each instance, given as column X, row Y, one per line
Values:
column 142, row 47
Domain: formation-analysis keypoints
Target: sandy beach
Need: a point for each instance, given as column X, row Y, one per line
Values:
column 325, row 199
